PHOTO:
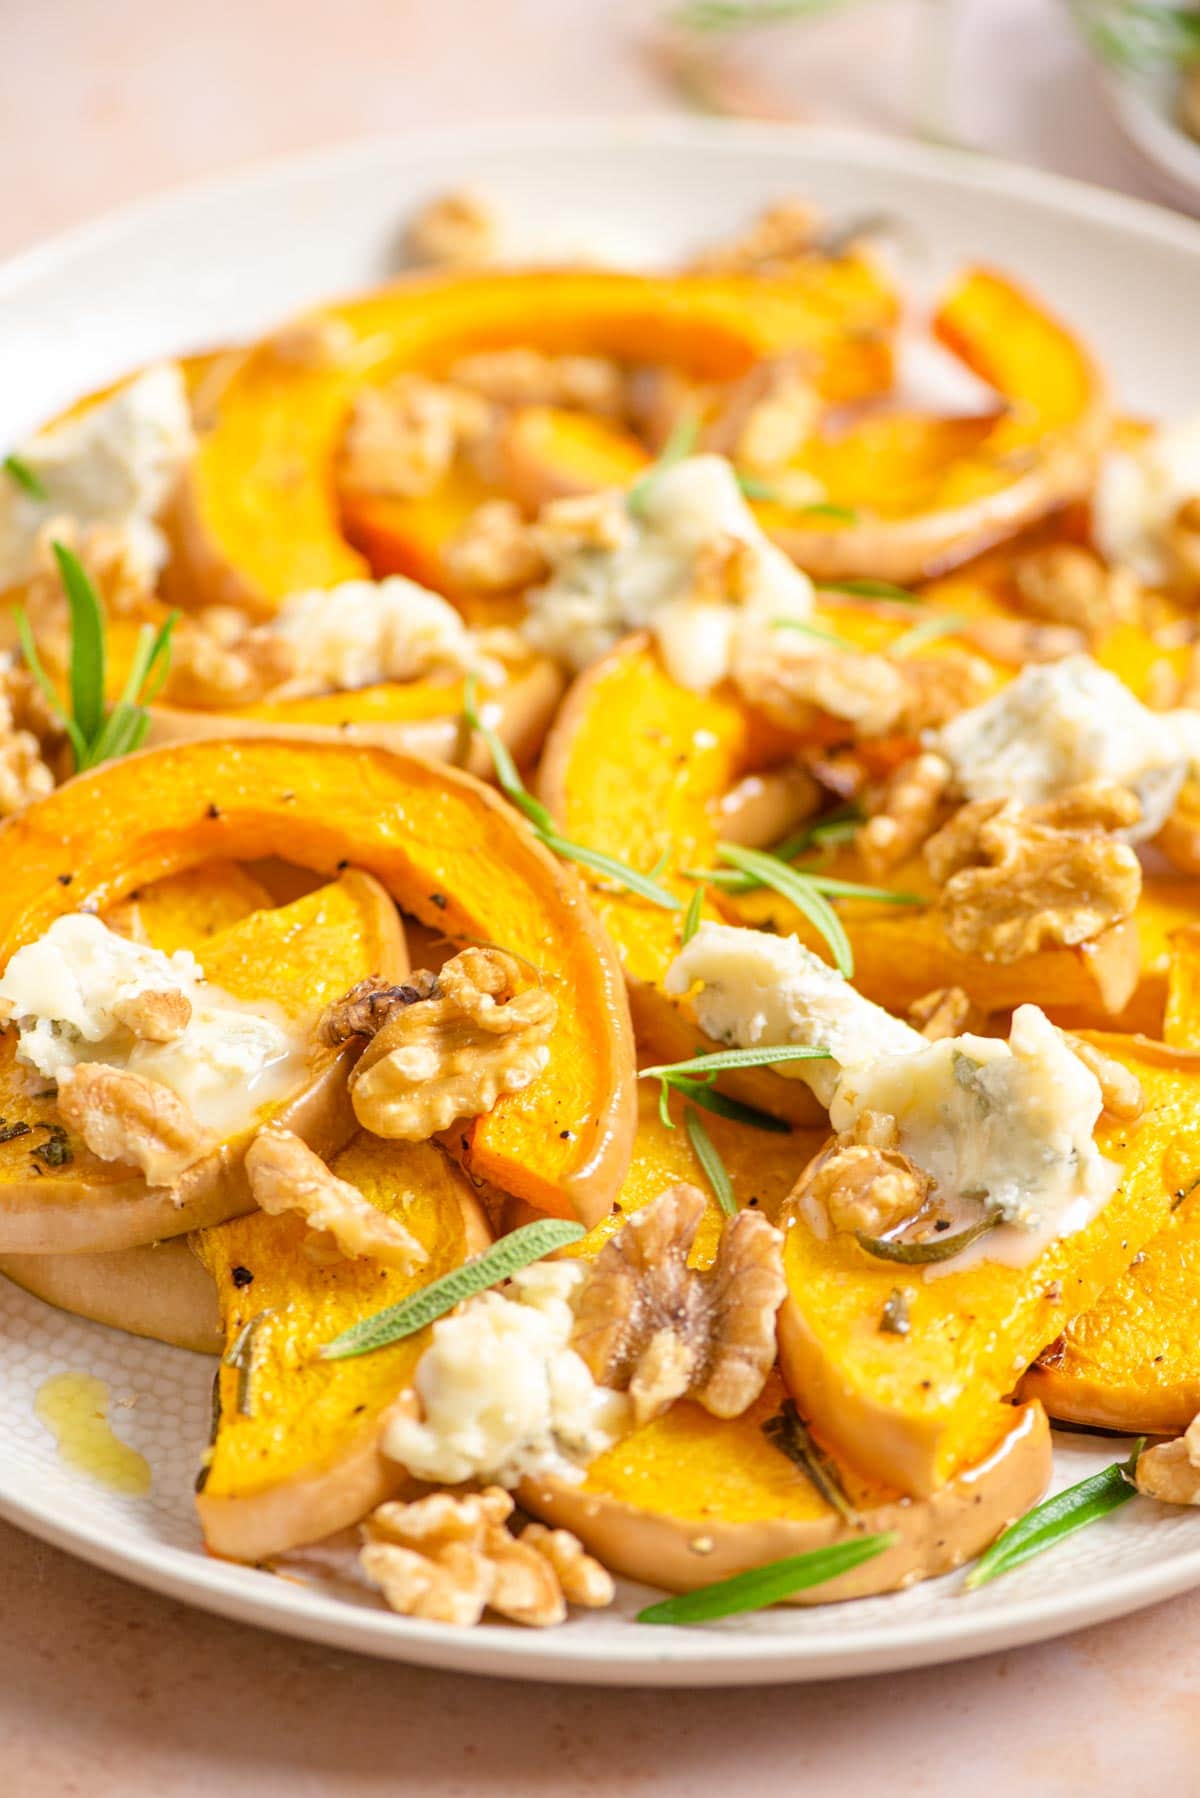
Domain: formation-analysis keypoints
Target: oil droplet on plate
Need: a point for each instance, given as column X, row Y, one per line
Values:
column 74, row 1408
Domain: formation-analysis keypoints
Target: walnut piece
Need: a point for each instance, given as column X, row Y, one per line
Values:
column 904, row 812
column 453, row 230
column 1170, row 1471
column 863, row 1181
column 648, row 1323
column 496, row 551
column 313, row 343
column 1017, row 641
column 155, row 1017
column 529, row 377
column 122, row 1117
column 211, row 667
column 944, row 1012
column 877, row 695
column 1016, row 879
column 366, row 1008
column 449, row 1557
column 1066, row 584
column 1119, row 1086
column 403, row 438
column 285, row 1175
column 780, row 235
column 1183, row 547
column 452, row 1054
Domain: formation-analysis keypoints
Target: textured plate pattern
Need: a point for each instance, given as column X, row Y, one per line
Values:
column 302, row 229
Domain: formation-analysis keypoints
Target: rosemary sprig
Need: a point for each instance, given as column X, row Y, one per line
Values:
column 943, row 624
column 868, row 589
column 680, row 443
column 709, row 1157
column 691, row 917
column 754, row 487
column 932, row 1248
column 820, row 631
column 766, row 1585
column 518, row 794
column 826, row 509
column 737, row 15
column 1057, row 1518
column 787, row 1432
column 24, row 476
column 702, row 1092
column 799, row 890
column 97, row 734
column 241, row 1355
column 513, row 1252
column 730, row 881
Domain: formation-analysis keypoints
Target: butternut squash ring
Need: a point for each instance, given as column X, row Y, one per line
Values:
column 257, row 516
column 299, row 956
column 1039, row 457
column 911, row 1409
column 1132, row 1362
column 448, row 850
column 634, row 766
column 690, row 1498
column 299, row 1457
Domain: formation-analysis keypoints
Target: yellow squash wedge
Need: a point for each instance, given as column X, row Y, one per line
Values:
column 160, row 1291
column 911, row 1409
column 296, row 1451
column 447, row 849
column 299, row 957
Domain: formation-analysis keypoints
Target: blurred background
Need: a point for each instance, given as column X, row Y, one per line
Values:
column 102, row 101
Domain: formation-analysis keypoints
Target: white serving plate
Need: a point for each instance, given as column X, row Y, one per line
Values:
column 221, row 261
column 1144, row 108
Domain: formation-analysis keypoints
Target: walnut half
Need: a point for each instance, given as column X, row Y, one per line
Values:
column 863, row 1181
column 449, row 1557
column 285, row 1175
column 1170, row 1471
column 648, row 1323
column 1016, row 878
column 453, row 1053
column 122, row 1117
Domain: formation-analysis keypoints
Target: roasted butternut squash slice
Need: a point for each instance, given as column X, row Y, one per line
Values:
column 689, row 1499
column 299, row 957
column 911, row 1409
column 1035, row 457
column 270, row 453
column 421, row 717
column 447, row 849
column 1132, row 1362
column 160, row 1291
column 296, row 1450
column 652, row 791
column 185, row 910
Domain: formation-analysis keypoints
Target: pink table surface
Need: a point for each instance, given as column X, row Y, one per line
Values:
column 110, row 1692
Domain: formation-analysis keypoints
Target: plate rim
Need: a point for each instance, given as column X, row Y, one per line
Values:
column 724, row 1656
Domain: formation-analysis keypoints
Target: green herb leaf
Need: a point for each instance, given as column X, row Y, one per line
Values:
column 34, row 663
column 867, row 589
column 814, row 630
column 761, row 1055
column 933, row 1249
column 944, row 624
column 701, row 1093
column 767, row 1585
column 506, row 1257
column 87, row 643
column 1058, row 1517
column 691, row 917
column 24, row 476
column 608, row 865
column 679, row 445
column 1138, row 34
column 754, row 487
column 799, row 890
column 834, row 514
column 787, row 1432
column 705, row 1151
column 241, row 1354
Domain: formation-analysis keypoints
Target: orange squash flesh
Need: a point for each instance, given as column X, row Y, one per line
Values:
column 185, row 910
column 300, row 1457
column 446, row 848
column 257, row 515
column 300, row 957
column 909, row 1409
column 1132, row 1362
column 648, row 793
